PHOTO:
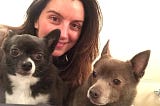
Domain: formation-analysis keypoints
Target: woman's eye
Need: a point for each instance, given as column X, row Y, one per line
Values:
column 76, row 26
column 15, row 52
column 55, row 20
column 38, row 56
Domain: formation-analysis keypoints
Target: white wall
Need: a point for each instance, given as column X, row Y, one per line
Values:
column 13, row 11
column 131, row 25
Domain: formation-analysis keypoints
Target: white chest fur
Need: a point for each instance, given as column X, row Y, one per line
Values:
column 22, row 92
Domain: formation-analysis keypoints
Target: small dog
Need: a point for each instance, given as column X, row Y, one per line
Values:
column 113, row 82
column 27, row 75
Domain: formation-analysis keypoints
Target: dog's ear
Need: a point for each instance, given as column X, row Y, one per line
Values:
column 51, row 39
column 10, row 33
column 106, row 51
column 139, row 63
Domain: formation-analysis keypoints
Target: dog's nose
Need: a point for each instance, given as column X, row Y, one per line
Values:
column 94, row 93
column 26, row 66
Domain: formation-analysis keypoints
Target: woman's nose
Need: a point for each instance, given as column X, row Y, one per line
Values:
column 64, row 30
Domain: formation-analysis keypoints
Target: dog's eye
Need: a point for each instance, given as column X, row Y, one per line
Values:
column 38, row 56
column 116, row 81
column 15, row 52
column 94, row 74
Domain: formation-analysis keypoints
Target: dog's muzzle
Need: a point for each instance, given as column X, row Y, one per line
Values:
column 27, row 66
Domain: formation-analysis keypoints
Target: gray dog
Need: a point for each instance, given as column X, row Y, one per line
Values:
column 113, row 82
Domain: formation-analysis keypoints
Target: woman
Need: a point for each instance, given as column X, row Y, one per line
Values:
column 80, row 24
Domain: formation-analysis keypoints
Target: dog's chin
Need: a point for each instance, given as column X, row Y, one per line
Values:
column 23, row 73
column 96, row 102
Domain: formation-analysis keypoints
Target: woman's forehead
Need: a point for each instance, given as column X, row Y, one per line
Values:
column 68, row 8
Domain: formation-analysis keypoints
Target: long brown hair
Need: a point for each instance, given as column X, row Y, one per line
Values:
column 86, row 49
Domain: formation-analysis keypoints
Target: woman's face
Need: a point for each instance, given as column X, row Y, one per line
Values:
column 66, row 15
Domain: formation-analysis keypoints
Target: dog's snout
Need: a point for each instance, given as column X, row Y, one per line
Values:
column 26, row 66
column 94, row 93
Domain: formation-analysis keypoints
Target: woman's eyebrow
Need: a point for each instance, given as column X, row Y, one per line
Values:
column 52, row 11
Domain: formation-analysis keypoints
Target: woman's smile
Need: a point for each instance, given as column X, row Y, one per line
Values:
column 61, row 44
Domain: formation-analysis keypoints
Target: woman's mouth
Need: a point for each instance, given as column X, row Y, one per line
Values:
column 60, row 45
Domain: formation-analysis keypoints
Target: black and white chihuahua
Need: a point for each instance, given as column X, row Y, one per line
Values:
column 27, row 73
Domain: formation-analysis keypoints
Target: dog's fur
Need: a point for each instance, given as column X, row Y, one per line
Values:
column 27, row 73
column 113, row 82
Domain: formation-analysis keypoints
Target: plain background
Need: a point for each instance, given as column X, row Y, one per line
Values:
column 131, row 25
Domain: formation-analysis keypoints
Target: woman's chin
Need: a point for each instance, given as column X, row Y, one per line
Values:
column 57, row 53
